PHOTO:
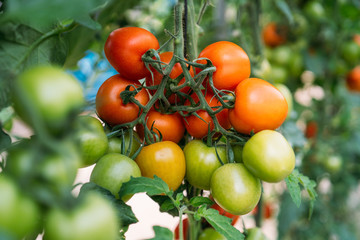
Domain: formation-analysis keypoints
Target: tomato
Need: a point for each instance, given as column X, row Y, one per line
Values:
column 315, row 10
column 235, row 189
column 170, row 126
column 288, row 96
column 175, row 72
column 350, row 51
column 109, row 104
column 211, row 234
column 231, row 62
column 333, row 163
column 19, row 215
column 269, row 156
column 273, row 35
column 356, row 39
column 185, row 223
column 281, row 55
column 198, row 128
column 268, row 210
column 311, row 129
column 115, row 143
column 233, row 217
column 255, row 234
column 353, row 79
column 92, row 218
column 258, row 106
column 237, row 149
column 201, row 162
column 92, row 139
column 295, row 65
column 165, row 160
column 278, row 74
column 49, row 94
column 112, row 170
column 124, row 48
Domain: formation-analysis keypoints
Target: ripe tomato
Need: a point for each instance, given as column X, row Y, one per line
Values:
column 170, row 126
column 353, row 79
column 165, row 160
column 92, row 139
column 92, row 219
column 19, row 215
column 197, row 127
column 235, row 189
column 211, row 234
column 110, row 106
column 311, row 129
column 201, row 162
column 269, row 156
column 258, row 106
column 233, row 217
column 124, row 49
column 231, row 62
column 112, row 170
column 53, row 95
column 185, row 223
column 356, row 39
column 175, row 72
column 273, row 35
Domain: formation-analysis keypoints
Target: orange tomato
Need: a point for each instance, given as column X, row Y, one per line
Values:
column 353, row 79
column 273, row 35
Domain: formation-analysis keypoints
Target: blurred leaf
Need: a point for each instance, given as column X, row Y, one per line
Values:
column 162, row 233
column 198, row 201
column 284, row 8
column 6, row 114
column 5, row 140
column 220, row 223
column 293, row 134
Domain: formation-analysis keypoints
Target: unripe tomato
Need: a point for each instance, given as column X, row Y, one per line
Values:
column 281, row 55
column 315, row 10
column 269, row 156
column 92, row 219
column 288, row 96
column 333, row 163
column 273, row 35
column 175, row 72
column 92, row 139
column 19, row 215
column 255, row 234
column 112, row 170
column 235, row 189
column 124, row 49
column 165, row 160
column 231, row 62
column 109, row 104
column 278, row 74
column 211, row 234
column 201, row 162
column 49, row 93
column 237, row 149
column 353, row 79
column 170, row 126
column 198, row 128
column 258, row 106
column 350, row 51
column 115, row 143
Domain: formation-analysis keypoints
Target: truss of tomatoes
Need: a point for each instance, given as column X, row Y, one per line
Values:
column 210, row 105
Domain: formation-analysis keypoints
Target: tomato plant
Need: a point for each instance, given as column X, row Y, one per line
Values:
column 110, row 105
column 124, row 49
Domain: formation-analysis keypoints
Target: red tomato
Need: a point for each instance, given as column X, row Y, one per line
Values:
column 196, row 127
column 273, row 35
column 258, row 106
column 356, row 39
column 110, row 106
column 170, row 126
column 311, row 129
column 225, row 213
column 124, row 49
column 353, row 79
column 175, row 72
column 185, row 222
column 231, row 62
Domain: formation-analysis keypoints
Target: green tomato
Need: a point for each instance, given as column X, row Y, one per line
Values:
column 296, row 64
column 278, row 74
column 281, row 55
column 350, row 51
column 269, row 156
column 115, row 143
column 19, row 215
column 255, row 234
column 288, row 96
column 315, row 10
column 112, row 170
column 47, row 95
column 93, row 219
column 333, row 163
column 238, row 149
column 235, row 189
column 201, row 162
column 92, row 139
column 211, row 234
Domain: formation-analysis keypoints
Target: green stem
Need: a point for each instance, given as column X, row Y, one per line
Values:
column 191, row 32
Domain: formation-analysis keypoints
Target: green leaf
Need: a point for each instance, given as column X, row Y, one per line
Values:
column 198, row 201
column 293, row 182
column 166, row 205
column 162, row 233
column 151, row 186
column 220, row 223
column 5, row 140
column 284, row 8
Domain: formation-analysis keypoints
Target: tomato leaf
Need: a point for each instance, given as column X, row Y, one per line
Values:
column 220, row 223
column 5, row 140
column 198, row 201
column 284, row 8
column 151, row 186
column 293, row 182
column 162, row 233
